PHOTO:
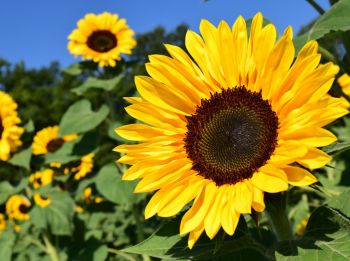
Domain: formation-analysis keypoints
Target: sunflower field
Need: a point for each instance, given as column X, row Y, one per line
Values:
column 229, row 142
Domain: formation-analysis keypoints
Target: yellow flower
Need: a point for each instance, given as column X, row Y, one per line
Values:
column 41, row 178
column 10, row 132
column 17, row 207
column 87, row 194
column 300, row 228
column 2, row 222
column 101, row 38
column 79, row 209
column 17, row 228
column 83, row 167
column 344, row 83
column 41, row 201
column 47, row 140
column 225, row 126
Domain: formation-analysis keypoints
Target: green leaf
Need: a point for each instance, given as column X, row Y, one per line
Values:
column 57, row 216
column 74, row 69
column 112, row 187
column 337, row 148
column 327, row 237
column 7, row 240
column 166, row 243
column 22, row 158
column 337, row 18
column 6, row 189
column 80, row 118
column 341, row 203
column 29, row 127
column 91, row 82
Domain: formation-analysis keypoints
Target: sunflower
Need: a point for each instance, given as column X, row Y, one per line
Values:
column 102, row 38
column 239, row 118
column 10, row 132
column 344, row 82
column 82, row 167
column 47, row 140
column 41, row 178
column 301, row 226
column 17, row 207
column 2, row 222
column 41, row 201
column 88, row 197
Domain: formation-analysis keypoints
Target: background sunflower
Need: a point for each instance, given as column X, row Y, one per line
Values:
column 101, row 38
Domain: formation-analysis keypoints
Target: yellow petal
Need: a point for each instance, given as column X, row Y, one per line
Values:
column 270, row 179
column 196, row 214
column 314, row 159
column 299, row 177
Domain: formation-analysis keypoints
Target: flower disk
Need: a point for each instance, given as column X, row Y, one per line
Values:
column 235, row 116
column 101, row 38
column 231, row 135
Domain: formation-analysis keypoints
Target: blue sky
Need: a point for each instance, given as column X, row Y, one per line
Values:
column 35, row 31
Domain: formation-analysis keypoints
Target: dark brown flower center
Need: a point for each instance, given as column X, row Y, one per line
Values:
column 231, row 135
column 23, row 208
column 1, row 128
column 102, row 41
column 54, row 145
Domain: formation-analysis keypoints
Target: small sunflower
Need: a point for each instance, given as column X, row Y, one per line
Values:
column 88, row 197
column 102, row 38
column 344, row 82
column 47, row 140
column 10, row 132
column 2, row 222
column 41, row 178
column 300, row 227
column 17, row 207
column 42, row 201
column 238, row 118
column 82, row 167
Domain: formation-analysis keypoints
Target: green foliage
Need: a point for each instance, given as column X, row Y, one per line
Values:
column 79, row 118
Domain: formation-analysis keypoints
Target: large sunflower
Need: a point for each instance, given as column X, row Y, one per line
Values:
column 102, row 38
column 10, row 132
column 47, row 140
column 239, row 118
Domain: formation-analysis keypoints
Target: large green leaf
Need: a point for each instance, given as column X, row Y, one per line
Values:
column 113, row 188
column 22, row 158
column 167, row 244
column 91, row 82
column 7, row 239
column 341, row 203
column 80, row 118
column 337, row 18
column 57, row 216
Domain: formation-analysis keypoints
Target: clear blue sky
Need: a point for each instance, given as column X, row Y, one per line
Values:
column 35, row 31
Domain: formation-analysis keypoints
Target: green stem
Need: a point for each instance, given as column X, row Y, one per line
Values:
column 50, row 249
column 327, row 54
column 36, row 243
column 317, row 7
column 276, row 206
column 139, row 226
